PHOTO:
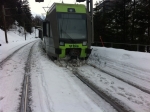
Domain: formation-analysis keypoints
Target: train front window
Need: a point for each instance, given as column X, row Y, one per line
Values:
column 72, row 26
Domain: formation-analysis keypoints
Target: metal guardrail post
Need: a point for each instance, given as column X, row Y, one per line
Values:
column 24, row 31
column 137, row 47
column 112, row 45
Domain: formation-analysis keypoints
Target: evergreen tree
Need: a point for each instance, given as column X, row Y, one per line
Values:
column 16, row 10
column 10, row 11
column 123, row 21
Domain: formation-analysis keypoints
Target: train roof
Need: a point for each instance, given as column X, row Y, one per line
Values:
column 61, row 7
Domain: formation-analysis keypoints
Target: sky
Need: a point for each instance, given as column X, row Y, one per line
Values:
column 37, row 8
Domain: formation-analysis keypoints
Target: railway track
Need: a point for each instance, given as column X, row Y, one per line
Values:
column 113, row 102
column 8, row 57
column 128, row 82
column 26, row 90
column 72, row 67
column 116, row 106
column 24, row 105
column 102, row 94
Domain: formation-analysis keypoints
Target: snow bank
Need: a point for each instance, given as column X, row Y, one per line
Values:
column 120, row 57
column 15, row 40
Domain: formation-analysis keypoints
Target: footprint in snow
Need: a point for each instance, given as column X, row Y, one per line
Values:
column 130, row 94
column 1, row 68
column 102, row 78
column 141, row 98
column 125, row 56
column 148, row 104
column 113, row 88
column 121, row 94
column 1, row 98
column 99, row 75
column 121, row 88
column 109, row 90
column 136, row 101
column 106, row 82
column 112, row 82
column 16, row 89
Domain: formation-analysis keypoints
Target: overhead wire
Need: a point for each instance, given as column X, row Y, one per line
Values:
column 49, row 3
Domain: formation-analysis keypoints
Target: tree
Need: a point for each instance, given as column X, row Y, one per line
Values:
column 37, row 20
column 10, row 9
column 17, row 10
column 123, row 21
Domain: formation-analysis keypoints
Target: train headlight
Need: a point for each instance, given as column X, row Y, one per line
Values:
column 84, row 43
column 61, row 43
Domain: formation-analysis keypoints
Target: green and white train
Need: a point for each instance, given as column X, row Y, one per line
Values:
column 67, row 31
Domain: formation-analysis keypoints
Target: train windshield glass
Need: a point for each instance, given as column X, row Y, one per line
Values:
column 72, row 26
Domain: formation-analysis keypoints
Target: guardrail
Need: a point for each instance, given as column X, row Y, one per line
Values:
column 130, row 47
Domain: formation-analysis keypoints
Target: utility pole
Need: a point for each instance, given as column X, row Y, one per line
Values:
column 89, row 4
column 35, row 33
column 25, row 35
column 149, row 25
column 24, row 31
column 92, row 22
column 4, row 21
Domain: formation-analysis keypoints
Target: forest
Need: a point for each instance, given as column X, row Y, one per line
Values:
column 122, row 21
column 17, row 10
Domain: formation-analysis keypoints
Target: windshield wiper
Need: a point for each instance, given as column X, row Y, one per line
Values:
column 70, row 38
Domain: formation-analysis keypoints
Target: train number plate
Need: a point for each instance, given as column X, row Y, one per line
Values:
column 73, row 46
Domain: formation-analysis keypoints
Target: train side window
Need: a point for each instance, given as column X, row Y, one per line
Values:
column 46, row 29
column 50, row 32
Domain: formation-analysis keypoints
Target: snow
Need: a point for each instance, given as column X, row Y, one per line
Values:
column 12, row 73
column 56, row 88
column 15, row 40
column 11, row 78
column 131, row 67
column 123, row 93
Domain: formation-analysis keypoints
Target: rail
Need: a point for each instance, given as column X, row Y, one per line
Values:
column 113, row 103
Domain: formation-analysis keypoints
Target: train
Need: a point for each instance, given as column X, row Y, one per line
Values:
column 67, row 31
